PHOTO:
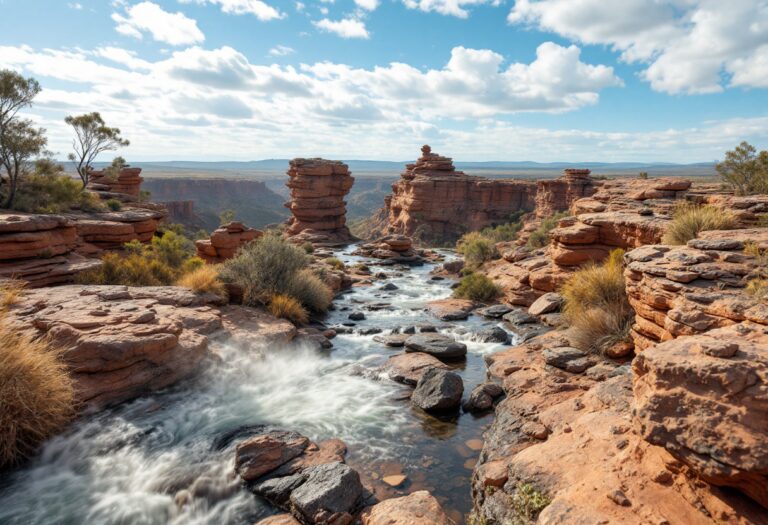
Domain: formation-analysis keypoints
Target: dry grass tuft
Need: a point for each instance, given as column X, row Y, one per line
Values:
column 691, row 219
column 204, row 280
column 286, row 307
column 596, row 305
column 307, row 288
column 36, row 390
column 10, row 290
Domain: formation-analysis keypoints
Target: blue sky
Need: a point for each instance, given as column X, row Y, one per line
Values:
column 544, row 80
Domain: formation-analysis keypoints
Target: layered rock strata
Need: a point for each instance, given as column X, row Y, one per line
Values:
column 225, row 241
column 318, row 188
column 125, row 187
column 558, row 194
column 434, row 202
column 392, row 248
column 688, row 290
column 110, row 230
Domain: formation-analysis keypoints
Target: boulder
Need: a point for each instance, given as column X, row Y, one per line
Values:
column 568, row 358
column 418, row 508
column 451, row 309
column 330, row 489
column 493, row 334
column 495, row 312
column 436, row 344
column 225, row 241
column 263, row 453
column 438, row 390
column 549, row 302
column 482, row 397
column 410, row 367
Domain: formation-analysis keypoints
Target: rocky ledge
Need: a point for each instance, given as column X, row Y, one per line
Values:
column 225, row 241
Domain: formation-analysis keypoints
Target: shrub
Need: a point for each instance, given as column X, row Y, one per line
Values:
column 310, row 290
column 286, row 307
column 335, row 263
column 271, row 266
column 307, row 247
column 540, row 236
column 477, row 287
column 36, row 390
column 689, row 220
column 476, row 248
column 642, row 175
column 745, row 170
column 762, row 220
column 49, row 190
column 596, row 305
column 160, row 263
column 114, row 204
column 527, row 504
column 757, row 286
column 502, row 232
column 226, row 217
column 204, row 279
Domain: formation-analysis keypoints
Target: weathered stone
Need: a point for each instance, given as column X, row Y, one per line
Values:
column 418, row 508
column 436, row 344
column 263, row 453
column 408, row 368
column 549, row 302
column 438, row 390
column 331, row 488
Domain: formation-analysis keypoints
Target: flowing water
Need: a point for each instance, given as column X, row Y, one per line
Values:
column 126, row 465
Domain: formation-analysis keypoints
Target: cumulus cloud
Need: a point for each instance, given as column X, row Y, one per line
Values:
column 345, row 28
column 146, row 17
column 368, row 5
column 695, row 46
column 447, row 7
column 258, row 8
column 281, row 51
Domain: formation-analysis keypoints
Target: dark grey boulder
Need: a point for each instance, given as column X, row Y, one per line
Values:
column 438, row 345
column 393, row 340
column 568, row 358
column 330, row 488
column 438, row 390
column 356, row 316
column 389, row 287
column 492, row 334
column 495, row 312
column 519, row 317
column 278, row 490
column 482, row 397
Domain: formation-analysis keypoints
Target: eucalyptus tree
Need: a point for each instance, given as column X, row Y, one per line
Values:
column 92, row 137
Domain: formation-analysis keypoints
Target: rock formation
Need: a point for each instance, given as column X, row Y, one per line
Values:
column 318, row 187
column 558, row 194
column 434, row 202
column 391, row 248
column 225, row 241
column 125, row 187
column 110, row 230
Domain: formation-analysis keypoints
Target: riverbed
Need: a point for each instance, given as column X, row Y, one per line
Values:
column 127, row 465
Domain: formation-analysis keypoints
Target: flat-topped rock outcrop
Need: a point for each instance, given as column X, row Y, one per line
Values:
column 558, row 194
column 318, row 188
column 225, row 241
column 110, row 230
column 124, row 187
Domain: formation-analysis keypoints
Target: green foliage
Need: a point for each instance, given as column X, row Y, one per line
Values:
column 745, row 170
column 271, row 266
column 540, row 237
column 112, row 172
column 144, row 195
column 503, row 232
column 596, row 305
column 162, row 262
column 477, row 287
column 642, row 175
column 49, row 190
column 689, row 220
column 307, row 247
column 476, row 249
column 114, row 204
column 527, row 503
column 92, row 137
column 226, row 216
column 335, row 263
column 762, row 220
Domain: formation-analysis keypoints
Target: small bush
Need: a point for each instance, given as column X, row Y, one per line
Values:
column 540, row 236
column 477, row 287
column 745, row 170
column 762, row 220
column 596, row 305
column 49, row 190
column 10, row 289
column 37, row 395
column 642, row 175
column 476, row 248
column 286, row 307
column 689, row 220
column 114, row 204
column 527, row 503
column 307, row 247
column 335, row 263
column 757, row 286
column 309, row 290
column 204, row 280
column 226, row 217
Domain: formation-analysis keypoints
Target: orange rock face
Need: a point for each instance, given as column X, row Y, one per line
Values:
column 434, row 202
column 318, row 188
column 558, row 194
column 419, row 508
column 225, row 241
column 125, row 187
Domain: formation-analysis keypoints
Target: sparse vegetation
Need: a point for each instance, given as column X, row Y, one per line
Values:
column 92, row 137
column 307, row 247
column 112, row 172
column 596, row 305
column 114, row 204
column 271, row 266
column 476, row 249
column 745, row 170
column 36, row 390
column 47, row 189
column 540, row 237
column 762, row 220
column 286, row 307
column 204, row 279
column 527, row 503
column 757, row 285
column 162, row 262
column 335, row 263
column 689, row 220
column 642, row 175
column 226, row 216
column 477, row 287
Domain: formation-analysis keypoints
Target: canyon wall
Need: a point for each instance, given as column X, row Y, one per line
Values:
column 434, row 203
column 317, row 205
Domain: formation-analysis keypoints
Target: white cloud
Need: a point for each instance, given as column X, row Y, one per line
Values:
column 75, row 5
column 147, row 17
column 258, row 8
column 368, row 5
column 447, row 7
column 345, row 28
column 200, row 103
column 281, row 51
column 689, row 46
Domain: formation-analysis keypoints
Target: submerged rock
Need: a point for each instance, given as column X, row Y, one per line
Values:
column 438, row 345
column 438, row 390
